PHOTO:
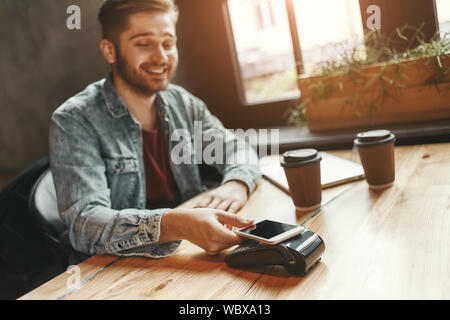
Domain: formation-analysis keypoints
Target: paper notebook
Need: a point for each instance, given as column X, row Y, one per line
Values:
column 333, row 171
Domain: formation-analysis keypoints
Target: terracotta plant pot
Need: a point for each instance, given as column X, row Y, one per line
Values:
column 378, row 94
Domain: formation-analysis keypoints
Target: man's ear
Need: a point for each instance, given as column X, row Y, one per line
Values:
column 108, row 50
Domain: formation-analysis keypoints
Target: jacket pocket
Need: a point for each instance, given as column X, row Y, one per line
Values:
column 123, row 181
column 119, row 165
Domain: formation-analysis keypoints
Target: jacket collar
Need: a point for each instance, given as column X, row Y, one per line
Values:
column 114, row 102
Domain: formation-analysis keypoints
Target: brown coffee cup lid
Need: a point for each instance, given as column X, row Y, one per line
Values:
column 374, row 137
column 300, row 157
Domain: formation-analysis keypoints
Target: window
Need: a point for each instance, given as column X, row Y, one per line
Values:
column 247, row 52
column 264, row 49
column 321, row 24
column 265, row 16
column 443, row 13
column 264, row 42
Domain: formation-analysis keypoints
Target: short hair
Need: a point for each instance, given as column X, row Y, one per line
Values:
column 113, row 15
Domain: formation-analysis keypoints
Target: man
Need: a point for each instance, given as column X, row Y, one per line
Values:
column 111, row 148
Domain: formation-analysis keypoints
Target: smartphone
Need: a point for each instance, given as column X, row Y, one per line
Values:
column 270, row 232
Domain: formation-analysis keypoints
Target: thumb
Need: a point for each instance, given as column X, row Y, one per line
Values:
column 233, row 219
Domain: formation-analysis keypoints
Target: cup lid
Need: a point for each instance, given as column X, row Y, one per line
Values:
column 300, row 157
column 374, row 137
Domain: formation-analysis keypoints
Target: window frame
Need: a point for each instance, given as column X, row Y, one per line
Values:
column 235, row 59
column 214, row 74
column 297, row 51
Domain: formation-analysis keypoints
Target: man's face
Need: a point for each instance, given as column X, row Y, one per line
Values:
column 147, row 55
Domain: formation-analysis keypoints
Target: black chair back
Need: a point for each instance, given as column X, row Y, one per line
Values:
column 27, row 257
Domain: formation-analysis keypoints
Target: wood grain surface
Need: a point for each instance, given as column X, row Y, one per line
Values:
column 391, row 244
column 61, row 285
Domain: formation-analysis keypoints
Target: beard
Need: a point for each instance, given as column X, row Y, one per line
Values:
column 137, row 80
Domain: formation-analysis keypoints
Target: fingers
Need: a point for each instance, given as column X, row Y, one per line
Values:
column 205, row 201
column 214, row 203
column 234, row 207
column 217, row 203
column 233, row 219
column 221, row 239
column 209, row 201
column 224, row 205
column 214, row 232
column 227, row 238
column 214, row 250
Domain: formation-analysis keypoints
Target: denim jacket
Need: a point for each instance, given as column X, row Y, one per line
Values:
column 96, row 159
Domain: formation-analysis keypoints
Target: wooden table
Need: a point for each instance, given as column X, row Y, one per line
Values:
column 393, row 244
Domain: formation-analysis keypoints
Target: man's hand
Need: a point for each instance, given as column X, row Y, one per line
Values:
column 231, row 196
column 203, row 227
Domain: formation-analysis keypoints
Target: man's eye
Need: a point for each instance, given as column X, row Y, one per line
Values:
column 168, row 46
column 142, row 44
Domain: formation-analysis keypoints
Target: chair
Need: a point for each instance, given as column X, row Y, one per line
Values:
column 28, row 256
column 43, row 206
column 31, row 247
column 44, row 210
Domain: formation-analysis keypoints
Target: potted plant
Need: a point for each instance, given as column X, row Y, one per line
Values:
column 377, row 86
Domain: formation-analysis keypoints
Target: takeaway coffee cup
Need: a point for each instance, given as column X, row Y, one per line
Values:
column 376, row 151
column 302, row 168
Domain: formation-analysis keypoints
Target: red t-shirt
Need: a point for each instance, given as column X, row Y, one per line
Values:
column 160, row 183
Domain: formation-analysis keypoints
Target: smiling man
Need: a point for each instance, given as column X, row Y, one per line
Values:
column 110, row 148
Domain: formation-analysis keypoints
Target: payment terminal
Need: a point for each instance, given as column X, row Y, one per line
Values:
column 297, row 254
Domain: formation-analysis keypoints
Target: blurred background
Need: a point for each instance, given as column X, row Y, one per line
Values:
column 242, row 57
column 42, row 64
column 237, row 55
